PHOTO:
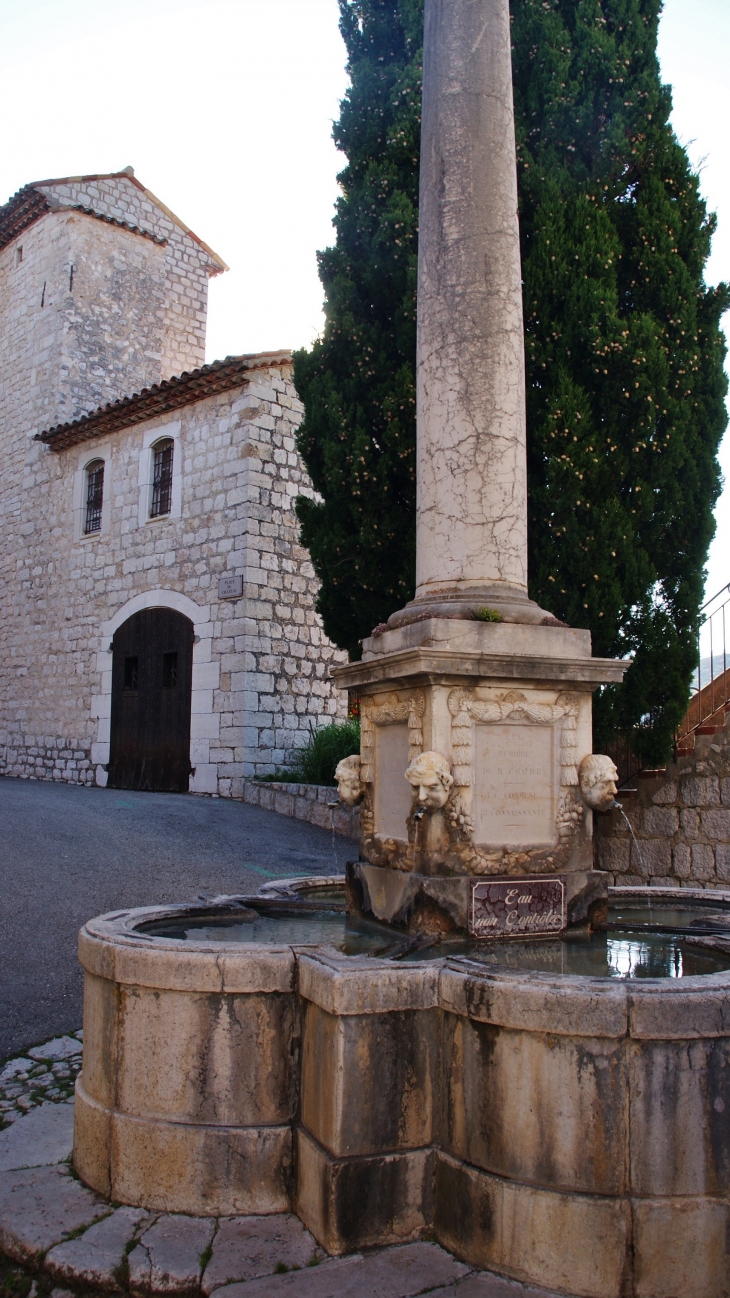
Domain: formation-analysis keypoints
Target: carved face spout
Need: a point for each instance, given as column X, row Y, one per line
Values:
column 349, row 783
column 597, row 778
column 430, row 777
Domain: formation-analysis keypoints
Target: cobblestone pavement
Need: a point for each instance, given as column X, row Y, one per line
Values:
column 54, row 1232
column 47, row 1073
column 68, row 853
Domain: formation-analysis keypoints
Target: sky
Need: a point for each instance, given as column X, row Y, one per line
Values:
column 225, row 111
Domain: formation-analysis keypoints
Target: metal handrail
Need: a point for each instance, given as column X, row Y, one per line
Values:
column 710, row 689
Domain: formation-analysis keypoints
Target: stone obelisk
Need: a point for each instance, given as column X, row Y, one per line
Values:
column 472, row 490
column 475, row 703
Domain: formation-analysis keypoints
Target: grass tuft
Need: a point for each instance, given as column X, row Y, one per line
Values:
column 488, row 615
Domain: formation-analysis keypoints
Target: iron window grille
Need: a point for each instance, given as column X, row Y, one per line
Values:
column 94, row 497
column 162, row 479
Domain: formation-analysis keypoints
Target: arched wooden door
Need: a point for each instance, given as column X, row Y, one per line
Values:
column 152, row 676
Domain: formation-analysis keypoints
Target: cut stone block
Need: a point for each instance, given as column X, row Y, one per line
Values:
column 513, row 1228
column 59, row 1048
column 247, row 1247
column 353, row 1203
column 40, row 1139
column 167, row 1258
column 95, row 1256
column 395, row 1273
column 40, row 1207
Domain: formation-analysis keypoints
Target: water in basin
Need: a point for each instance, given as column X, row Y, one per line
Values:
column 642, row 941
column 273, row 926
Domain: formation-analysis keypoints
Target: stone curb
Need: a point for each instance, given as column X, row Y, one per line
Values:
column 310, row 802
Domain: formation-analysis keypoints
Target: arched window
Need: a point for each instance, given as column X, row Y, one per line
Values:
column 162, row 453
column 94, row 496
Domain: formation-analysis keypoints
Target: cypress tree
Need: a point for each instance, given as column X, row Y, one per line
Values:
column 358, row 438
column 625, row 385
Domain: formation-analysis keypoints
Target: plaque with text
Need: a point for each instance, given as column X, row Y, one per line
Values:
column 230, row 587
column 515, row 785
column 502, row 908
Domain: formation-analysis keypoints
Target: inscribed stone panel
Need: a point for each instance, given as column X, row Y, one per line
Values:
column 393, row 792
column 515, row 785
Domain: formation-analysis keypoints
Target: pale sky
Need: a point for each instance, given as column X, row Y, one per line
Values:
column 225, row 111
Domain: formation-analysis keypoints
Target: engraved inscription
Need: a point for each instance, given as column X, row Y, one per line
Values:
column 393, row 793
column 515, row 785
column 502, row 908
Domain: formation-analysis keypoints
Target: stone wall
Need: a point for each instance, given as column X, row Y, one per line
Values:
column 46, row 757
column 310, row 802
column 261, row 662
column 185, row 266
column 681, row 819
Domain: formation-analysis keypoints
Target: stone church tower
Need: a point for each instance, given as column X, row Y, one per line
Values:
column 140, row 507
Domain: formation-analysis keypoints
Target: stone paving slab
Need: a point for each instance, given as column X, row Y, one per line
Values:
column 57, row 1049
column 399, row 1272
column 245, row 1248
column 483, row 1284
column 97, row 1257
column 43, row 1137
column 170, row 1255
column 40, row 1207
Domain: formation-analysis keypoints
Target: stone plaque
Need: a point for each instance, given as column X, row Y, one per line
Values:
column 393, row 793
column 230, row 587
column 501, row 908
column 515, row 785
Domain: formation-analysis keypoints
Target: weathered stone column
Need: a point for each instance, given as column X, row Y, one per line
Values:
column 472, row 495
column 473, row 728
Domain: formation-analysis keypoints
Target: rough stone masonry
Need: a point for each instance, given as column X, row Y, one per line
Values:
column 103, row 298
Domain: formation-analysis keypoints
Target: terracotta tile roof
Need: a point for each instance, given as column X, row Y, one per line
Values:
column 22, row 210
column 160, row 399
column 29, row 204
column 113, row 220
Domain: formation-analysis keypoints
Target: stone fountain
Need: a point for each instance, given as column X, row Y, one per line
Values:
column 422, row 1068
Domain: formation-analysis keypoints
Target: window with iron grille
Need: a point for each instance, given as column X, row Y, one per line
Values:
column 162, row 479
column 94, row 496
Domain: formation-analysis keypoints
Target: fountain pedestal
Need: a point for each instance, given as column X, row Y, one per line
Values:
column 509, row 708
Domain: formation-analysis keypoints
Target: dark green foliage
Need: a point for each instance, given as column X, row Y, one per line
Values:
column 358, row 386
column 315, row 763
column 625, row 381
column 14, row 1281
column 625, row 385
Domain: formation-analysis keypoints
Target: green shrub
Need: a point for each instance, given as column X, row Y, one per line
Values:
column 316, row 762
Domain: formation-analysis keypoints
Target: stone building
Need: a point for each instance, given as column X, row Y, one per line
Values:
column 157, row 623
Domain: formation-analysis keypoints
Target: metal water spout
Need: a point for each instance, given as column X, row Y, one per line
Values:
column 420, row 812
column 617, row 806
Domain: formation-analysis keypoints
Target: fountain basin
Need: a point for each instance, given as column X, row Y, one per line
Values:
column 565, row 1130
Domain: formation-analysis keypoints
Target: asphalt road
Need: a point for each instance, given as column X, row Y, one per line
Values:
column 68, row 853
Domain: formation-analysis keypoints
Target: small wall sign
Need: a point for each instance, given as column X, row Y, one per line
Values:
column 517, row 907
column 230, row 587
